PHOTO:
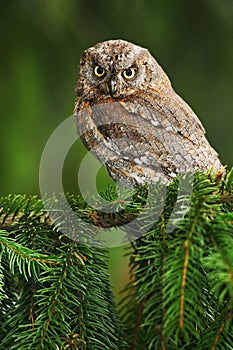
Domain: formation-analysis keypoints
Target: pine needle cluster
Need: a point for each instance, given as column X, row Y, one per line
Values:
column 181, row 291
column 56, row 294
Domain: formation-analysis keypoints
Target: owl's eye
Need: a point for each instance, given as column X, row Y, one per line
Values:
column 129, row 73
column 99, row 71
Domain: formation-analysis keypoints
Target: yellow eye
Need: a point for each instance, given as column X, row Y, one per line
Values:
column 99, row 71
column 129, row 73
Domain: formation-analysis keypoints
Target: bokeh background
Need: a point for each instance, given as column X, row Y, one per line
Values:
column 41, row 43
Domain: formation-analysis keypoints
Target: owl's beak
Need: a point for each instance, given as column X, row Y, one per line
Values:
column 112, row 85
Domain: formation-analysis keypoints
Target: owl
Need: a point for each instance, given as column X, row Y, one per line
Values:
column 128, row 115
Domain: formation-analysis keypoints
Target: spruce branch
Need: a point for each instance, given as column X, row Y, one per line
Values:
column 56, row 294
column 183, row 278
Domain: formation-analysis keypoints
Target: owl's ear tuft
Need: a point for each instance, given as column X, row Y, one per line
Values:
column 87, row 54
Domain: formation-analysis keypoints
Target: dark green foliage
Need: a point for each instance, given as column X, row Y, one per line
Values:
column 55, row 293
column 181, row 294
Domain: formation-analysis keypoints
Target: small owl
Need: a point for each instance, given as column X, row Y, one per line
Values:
column 129, row 116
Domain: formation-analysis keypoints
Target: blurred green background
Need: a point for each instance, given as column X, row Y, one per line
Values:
column 41, row 43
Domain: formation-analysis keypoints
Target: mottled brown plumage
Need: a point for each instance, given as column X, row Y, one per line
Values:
column 129, row 116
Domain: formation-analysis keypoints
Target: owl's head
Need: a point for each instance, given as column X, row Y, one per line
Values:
column 116, row 69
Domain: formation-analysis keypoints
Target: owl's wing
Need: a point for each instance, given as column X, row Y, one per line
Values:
column 170, row 111
column 174, row 133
